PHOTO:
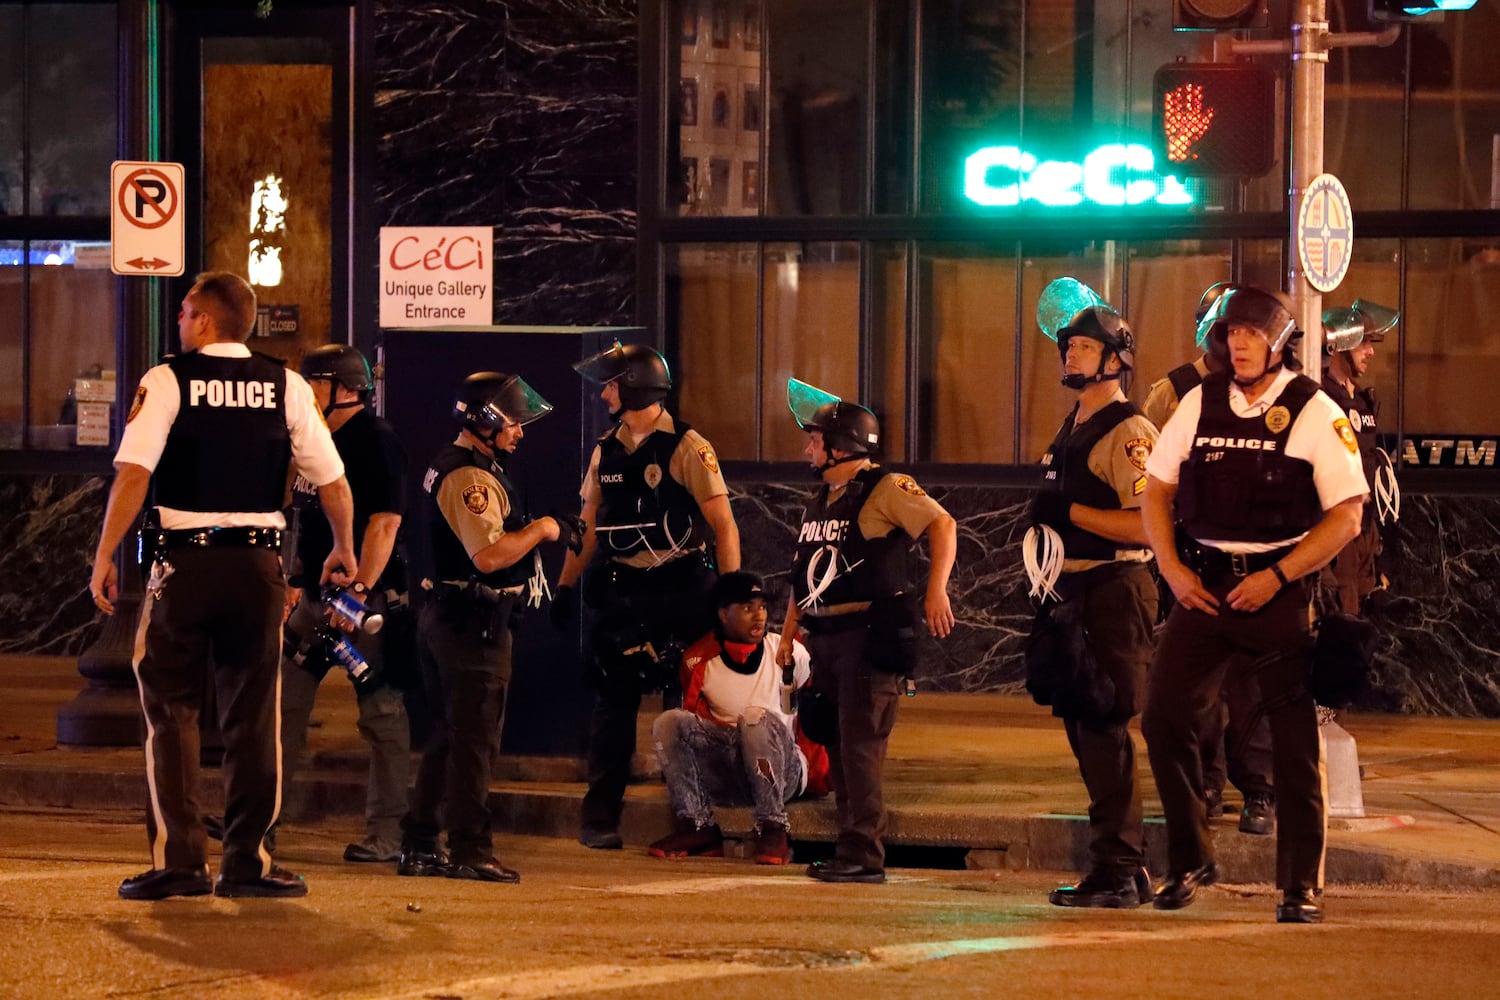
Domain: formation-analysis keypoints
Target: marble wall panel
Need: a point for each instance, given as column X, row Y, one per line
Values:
column 1439, row 651
column 49, row 526
column 522, row 115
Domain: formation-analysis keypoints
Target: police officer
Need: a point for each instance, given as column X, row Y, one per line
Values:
column 652, row 496
column 375, row 465
column 213, row 429
column 1094, row 475
column 1236, row 740
column 850, row 579
column 1350, row 334
column 1260, row 472
column 480, row 554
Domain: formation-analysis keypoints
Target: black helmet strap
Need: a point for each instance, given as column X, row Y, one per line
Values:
column 1079, row 381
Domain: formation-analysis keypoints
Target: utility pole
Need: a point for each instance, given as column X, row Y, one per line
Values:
column 1308, row 47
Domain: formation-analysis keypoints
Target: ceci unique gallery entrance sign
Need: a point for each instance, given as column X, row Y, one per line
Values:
column 436, row 276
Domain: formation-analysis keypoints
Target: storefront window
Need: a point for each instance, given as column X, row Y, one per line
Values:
column 72, row 336
column 70, row 69
column 12, row 341
column 711, row 297
column 719, row 118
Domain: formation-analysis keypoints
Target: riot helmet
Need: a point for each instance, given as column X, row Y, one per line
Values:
column 1265, row 312
column 1068, row 308
column 342, row 365
column 845, row 426
column 1346, row 327
column 488, row 402
column 640, row 372
column 339, row 363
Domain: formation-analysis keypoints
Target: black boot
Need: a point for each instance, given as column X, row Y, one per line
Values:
column 1105, row 890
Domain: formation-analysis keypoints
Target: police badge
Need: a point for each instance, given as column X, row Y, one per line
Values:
column 1277, row 417
column 653, row 475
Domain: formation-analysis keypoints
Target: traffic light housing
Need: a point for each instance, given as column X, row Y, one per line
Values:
column 1411, row 10
column 1214, row 119
column 1218, row 15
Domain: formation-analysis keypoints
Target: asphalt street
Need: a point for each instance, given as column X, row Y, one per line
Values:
column 624, row 925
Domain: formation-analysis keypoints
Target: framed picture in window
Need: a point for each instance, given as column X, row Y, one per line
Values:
column 718, row 181
column 689, row 101
column 690, row 22
column 750, row 107
column 751, row 30
column 750, row 185
column 721, row 104
column 720, row 26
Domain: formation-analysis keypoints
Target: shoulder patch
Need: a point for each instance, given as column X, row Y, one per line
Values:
column 1138, row 450
column 1346, row 435
column 477, row 498
column 1138, row 487
column 140, row 400
column 709, row 459
column 907, row 484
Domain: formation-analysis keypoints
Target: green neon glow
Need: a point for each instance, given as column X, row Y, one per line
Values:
column 1115, row 174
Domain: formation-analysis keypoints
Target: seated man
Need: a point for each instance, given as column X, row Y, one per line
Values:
column 735, row 741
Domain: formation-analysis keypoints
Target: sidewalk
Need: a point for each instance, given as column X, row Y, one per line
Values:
column 991, row 774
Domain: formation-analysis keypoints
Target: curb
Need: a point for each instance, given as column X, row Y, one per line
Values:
column 541, row 797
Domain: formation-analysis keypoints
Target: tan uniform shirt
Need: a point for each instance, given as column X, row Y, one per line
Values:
column 475, row 506
column 693, row 464
column 1161, row 401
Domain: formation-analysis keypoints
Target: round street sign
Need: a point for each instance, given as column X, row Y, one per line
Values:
column 1325, row 233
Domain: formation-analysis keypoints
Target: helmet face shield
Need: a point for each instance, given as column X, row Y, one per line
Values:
column 806, row 401
column 1378, row 319
column 489, row 402
column 848, row 427
column 1246, row 305
column 606, row 366
column 1343, row 329
column 1061, row 301
column 520, row 403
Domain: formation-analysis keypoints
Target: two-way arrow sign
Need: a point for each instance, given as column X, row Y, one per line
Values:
column 146, row 231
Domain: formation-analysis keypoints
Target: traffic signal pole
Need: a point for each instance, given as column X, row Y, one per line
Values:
column 1308, row 47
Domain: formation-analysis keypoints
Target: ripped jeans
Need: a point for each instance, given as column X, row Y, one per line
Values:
column 753, row 764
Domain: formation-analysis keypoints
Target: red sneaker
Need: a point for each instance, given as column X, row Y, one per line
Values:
column 687, row 841
column 771, row 847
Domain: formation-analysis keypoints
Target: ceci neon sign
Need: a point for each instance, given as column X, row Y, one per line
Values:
column 1113, row 174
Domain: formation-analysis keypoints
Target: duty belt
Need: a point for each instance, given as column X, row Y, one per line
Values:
column 834, row 624
column 203, row 538
column 1207, row 561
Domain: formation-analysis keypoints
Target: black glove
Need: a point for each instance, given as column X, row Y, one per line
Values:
column 570, row 530
column 1051, row 508
column 564, row 608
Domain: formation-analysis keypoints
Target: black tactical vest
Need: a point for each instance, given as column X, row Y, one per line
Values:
column 1184, row 378
column 1066, row 471
column 1238, row 484
column 834, row 560
column 1361, row 409
column 642, row 506
column 229, row 448
column 447, row 559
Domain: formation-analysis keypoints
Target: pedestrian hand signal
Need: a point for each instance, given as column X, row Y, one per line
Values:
column 1215, row 119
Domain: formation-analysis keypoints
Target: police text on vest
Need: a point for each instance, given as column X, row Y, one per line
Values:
column 220, row 393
